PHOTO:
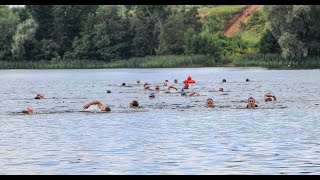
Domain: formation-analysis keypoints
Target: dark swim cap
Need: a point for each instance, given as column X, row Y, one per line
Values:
column 183, row 94
column 135, row 103
column 108, row 109
column 123, row 84
column 108, row 91
column 268, row 99
column 151, row 95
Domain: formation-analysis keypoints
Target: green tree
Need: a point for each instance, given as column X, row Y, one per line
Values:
column 21, row 12
column 107, row 36
column 68, row 24
column 43, row 16
column 295, row 27
column 147, row 28
column 143, row 43
column 8, row 24
column 269, row 44
column 172, row 37
column 23, row 38
column 191, row 41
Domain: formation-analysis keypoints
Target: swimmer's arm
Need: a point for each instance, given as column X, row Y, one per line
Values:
column 100, row 105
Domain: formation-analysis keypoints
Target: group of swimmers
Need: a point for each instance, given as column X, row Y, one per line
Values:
column 251, row 102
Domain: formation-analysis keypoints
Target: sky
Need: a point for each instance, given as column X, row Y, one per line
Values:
column 16, row 5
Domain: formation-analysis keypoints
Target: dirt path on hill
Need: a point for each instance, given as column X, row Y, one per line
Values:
column 234, row 23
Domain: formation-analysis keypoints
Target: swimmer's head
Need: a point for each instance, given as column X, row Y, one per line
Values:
column 210, row 102
column 175, row 81
column 134, row 103
column 157, row 88
column 107, row 109
column 221, row 89
column 251, row 100
column 147, row 87
column 108, row 91
column 123, row 84
column 247, row 80
column 224, row 80
column 151, row 95
column 28, row 111
column 268, row 99
column 138, row 81
column 183, row 94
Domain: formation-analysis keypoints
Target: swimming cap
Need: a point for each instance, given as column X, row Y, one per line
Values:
column 135, row 103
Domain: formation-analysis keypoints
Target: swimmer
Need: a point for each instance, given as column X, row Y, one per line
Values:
column 134, row 104
column 247, row 80
column 108, row 91
column 193, row 93
column 138, row 82
column 151, row 96
column 224, row 80
column 166, row 82
column 100, row 105
column 210, row 103
column 28, row 111
column 175, row 81
column 269, row 97
column 186, row 86
column 183, row 93
column 146, row 86
column 157, row 88
column 171, row 87
column 220, row 90
column 123, row 84
column 251, row 103
column 39, row 96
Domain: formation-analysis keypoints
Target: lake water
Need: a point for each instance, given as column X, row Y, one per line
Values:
column 170, row 134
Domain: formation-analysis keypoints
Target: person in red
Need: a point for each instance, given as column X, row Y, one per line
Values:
column 189, row 80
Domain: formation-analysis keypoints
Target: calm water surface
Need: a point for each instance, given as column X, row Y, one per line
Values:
column 167, row 135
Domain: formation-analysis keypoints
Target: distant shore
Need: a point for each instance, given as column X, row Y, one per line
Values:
column 183, row 61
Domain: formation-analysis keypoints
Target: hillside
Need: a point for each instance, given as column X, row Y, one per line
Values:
column 233, row 24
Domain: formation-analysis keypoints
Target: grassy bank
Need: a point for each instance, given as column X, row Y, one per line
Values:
column 261, row 60
column 274, row 61
column 145, row 62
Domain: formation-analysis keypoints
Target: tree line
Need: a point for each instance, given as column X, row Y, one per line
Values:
column 112, row 32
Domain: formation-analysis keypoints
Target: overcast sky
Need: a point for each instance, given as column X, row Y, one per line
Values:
column 16, row 5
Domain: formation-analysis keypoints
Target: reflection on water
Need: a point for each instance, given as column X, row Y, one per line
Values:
column 170, row 134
